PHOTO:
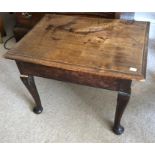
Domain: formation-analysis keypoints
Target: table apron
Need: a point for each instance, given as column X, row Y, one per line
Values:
column 82, row 78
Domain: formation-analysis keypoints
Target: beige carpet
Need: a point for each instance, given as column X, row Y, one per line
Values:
column 74, row 113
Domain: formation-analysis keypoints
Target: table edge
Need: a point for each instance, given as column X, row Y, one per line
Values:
column 104, row 73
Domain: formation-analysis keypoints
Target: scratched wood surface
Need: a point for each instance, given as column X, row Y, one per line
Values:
column 105, row 47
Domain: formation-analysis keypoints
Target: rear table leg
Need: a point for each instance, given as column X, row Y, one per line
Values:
column 30, row 85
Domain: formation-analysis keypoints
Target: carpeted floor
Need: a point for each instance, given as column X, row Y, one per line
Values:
column 75, row 113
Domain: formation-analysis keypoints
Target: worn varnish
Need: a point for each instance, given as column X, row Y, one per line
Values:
column 105, row 47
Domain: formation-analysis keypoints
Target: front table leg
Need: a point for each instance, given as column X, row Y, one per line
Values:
column 122, row 101
column 30, row 85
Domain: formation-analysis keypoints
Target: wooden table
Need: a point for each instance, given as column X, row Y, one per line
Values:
column 104, row 53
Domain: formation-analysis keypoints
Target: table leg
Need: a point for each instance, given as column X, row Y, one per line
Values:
column 30, row 85
column 122, row 101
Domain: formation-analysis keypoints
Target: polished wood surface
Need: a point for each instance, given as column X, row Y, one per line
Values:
column 26, row 20
column 107, row 47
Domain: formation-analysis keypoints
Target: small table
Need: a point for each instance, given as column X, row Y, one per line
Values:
column 103, row 53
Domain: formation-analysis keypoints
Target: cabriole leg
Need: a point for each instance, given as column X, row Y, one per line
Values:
column 122, row 101
column 30, row 85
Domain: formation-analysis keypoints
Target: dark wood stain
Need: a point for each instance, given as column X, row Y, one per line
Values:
column 69, row 76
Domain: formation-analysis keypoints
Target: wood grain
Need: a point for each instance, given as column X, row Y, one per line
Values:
column 105, row 47
column 69, row 76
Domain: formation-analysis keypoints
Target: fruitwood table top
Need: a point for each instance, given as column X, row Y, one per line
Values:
column 105, row 47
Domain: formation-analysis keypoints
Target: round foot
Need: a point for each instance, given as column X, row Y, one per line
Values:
column 37, row 110
column 119, row 130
